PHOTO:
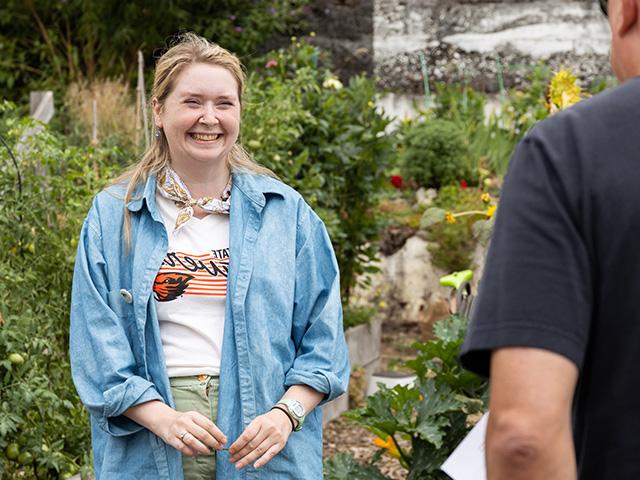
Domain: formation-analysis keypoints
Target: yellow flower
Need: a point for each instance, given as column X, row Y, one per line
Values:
column 491, row 211
column 388, row 445
column 564, row 91
column 312, row 34
column 485, row 197
column 450, row 218
column 370, row 104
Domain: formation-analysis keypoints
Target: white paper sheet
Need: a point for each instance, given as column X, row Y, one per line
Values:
column 467, row 460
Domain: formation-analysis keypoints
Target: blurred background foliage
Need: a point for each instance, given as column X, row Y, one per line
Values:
column 51, row 43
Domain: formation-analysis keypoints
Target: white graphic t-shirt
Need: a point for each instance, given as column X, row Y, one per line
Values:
column 190, row 291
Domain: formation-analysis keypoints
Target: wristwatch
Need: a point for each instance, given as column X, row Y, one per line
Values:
column 295, row 410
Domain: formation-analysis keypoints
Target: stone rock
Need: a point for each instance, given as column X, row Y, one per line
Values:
column 394, row 237
column 425, row 197
column 462, row 40
column 439, row 308
column 405, row 282
column 408, row 285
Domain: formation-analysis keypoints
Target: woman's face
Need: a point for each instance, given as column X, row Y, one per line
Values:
column 201, row 116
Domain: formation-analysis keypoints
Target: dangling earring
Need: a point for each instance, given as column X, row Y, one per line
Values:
column 157, row 132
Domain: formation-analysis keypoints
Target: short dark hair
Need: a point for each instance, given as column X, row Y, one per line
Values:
column 603, row 6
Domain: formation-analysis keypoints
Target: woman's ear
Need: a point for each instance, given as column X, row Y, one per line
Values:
column 628, row 16
column 157, row 109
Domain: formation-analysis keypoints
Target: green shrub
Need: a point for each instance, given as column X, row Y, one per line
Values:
column 40, row 216
column 453, row 243
column 421, row 423
column 78, row 39
column 435, row 153
column 459, row 103
column 357, row 315
column 327, row 141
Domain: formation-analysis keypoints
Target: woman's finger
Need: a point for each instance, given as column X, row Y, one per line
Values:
column 255, row 451
column 210, row 427
column 249, row 433
column 269, row 454
column 182, row 447
column 205, row 437
column 254, row 443
column 194, row 444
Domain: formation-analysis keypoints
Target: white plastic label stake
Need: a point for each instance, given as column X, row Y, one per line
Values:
column 467, row 460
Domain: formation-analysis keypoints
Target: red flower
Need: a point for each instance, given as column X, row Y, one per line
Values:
column 463, row 184
column 271, row 63
column 396, row 181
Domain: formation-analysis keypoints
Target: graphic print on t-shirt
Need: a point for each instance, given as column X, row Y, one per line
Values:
column 191, row 274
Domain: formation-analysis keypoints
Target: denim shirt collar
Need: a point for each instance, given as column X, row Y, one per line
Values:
column 255, row 187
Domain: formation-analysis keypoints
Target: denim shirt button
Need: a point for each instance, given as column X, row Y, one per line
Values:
column 126, row 295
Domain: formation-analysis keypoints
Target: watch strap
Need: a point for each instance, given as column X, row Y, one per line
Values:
column 286, row 412
column 289, row 405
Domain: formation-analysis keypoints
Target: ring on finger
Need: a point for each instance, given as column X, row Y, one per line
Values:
column 182, row 435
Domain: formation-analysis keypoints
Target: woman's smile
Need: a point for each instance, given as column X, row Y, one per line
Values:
column 200, row 118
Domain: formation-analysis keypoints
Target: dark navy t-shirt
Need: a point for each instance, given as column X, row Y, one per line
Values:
column 563, row 270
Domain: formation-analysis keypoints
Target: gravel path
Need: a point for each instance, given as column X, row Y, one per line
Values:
column 345, row 436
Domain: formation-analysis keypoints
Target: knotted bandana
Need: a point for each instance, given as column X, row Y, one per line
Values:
column 172, row 187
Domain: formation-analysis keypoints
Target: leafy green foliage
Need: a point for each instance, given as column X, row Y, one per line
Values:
column 453, row 244
column 325, row 140
column 343, row 465
column 357, row 315
column 41, row 417
column 434, row 413
column 75, row 39
column 435, row 153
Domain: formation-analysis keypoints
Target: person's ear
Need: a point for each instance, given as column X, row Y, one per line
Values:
column 628, row 16
column 157, row 108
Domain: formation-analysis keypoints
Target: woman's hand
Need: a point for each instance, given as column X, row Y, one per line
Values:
column 191, row 433
column 261, row 440
column 200, row 434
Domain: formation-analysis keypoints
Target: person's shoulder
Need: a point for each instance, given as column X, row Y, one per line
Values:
column 258, row 186
column 108, row 204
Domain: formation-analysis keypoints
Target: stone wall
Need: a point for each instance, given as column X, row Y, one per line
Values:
column 464, row 40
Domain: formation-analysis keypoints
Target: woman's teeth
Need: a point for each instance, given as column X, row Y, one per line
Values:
column 205, row 137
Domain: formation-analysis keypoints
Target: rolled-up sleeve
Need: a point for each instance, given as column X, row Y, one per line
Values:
column 322, row 359
column 103, row 365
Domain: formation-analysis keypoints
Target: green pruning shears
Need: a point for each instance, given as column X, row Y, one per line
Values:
column 455, row 279
column 461, row 298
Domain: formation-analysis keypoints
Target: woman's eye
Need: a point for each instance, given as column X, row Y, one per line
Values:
column 191, row 101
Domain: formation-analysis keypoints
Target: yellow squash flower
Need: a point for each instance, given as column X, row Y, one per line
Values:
column 388, row 445
column 485, row 197
column 491, row 211
column 450, row 218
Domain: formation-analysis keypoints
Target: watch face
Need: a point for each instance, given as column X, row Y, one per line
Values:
column 297, row 409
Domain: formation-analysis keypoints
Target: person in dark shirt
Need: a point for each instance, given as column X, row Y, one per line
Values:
column 557, row 320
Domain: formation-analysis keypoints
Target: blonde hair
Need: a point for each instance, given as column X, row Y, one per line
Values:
column 189, row 49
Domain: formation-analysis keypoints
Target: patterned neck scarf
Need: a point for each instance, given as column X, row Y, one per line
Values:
column 172, row 187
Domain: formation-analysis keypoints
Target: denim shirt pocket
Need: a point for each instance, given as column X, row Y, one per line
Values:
column 121, row 302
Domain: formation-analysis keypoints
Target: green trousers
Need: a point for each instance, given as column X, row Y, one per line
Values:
column 198, row 394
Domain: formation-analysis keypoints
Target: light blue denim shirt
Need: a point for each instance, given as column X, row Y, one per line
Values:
column 283, row 327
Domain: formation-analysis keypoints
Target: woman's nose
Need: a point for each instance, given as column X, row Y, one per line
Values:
column 209, row 116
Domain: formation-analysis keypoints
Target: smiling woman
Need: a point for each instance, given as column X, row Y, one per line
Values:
column 201, row 119
column 206, row 321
